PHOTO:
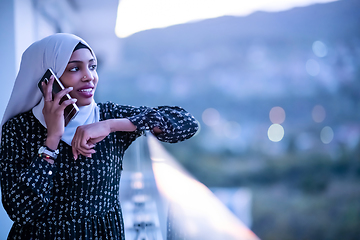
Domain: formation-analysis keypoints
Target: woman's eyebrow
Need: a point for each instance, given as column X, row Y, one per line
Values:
column 79, row 61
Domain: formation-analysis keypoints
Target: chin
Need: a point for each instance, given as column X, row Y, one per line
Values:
column 84, row 103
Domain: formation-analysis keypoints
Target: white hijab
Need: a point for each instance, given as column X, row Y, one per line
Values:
column 51, row 52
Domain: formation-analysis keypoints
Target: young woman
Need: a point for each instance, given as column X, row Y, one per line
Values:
column 62, row 182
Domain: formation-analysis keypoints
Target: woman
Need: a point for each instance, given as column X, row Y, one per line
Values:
column 63, row 182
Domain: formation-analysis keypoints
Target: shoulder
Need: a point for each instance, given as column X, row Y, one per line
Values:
column 26, row 118
column 20, row 124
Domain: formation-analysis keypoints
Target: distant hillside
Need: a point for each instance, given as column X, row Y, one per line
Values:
column 220, row 62
column 335, row 20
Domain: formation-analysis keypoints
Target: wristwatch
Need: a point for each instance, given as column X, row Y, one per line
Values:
column 48, row 153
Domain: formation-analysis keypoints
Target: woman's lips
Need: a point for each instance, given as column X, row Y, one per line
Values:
column 86, row 92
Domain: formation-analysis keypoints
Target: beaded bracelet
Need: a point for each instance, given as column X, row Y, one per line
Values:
column 46, row 156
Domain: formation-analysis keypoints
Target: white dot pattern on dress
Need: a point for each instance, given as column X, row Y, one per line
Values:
column 75, row 199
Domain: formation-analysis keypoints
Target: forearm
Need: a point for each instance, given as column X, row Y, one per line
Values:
column 23, row 208
column 169, row 124
column 121, row 124
column 125, row 125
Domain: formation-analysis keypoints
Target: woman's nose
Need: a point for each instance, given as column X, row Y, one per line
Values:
column 87, row 75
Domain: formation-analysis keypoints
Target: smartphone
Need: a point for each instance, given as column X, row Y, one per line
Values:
column 71, row 110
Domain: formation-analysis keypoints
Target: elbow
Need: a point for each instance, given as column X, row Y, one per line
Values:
column 23, row 209
column 156, row 131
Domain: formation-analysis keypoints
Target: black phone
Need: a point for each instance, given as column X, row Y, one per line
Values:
column 71, row 110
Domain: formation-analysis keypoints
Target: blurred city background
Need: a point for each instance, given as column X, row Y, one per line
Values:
column 274, row 86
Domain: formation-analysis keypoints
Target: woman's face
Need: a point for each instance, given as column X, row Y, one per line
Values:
column 80, row 73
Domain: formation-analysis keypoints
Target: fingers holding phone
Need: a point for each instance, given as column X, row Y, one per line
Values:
column 47, row 86
column 59, row 107
column 54, row 92
column 54, row 106
column 56, row 103
column 53, row 111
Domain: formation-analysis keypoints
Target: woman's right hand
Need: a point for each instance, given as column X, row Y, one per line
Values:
column 54, row 113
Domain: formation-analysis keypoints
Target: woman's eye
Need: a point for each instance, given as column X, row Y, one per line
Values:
column 93, row 67
column 74, row 69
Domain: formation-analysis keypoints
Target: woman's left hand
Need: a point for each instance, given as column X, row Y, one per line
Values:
column 87, row 136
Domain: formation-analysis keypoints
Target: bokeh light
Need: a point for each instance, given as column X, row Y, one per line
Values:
column 326, row 135
column 312, row 67
column 319, row 49
column 211, row 117
column 318, row 113
column 137, row 180
column 277, row 115
column 276, row 132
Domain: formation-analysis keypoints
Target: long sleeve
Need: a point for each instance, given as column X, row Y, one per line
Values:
column 175, row 123
column 26, row 181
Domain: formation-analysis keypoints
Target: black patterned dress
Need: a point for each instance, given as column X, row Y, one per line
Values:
column 75, row 199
